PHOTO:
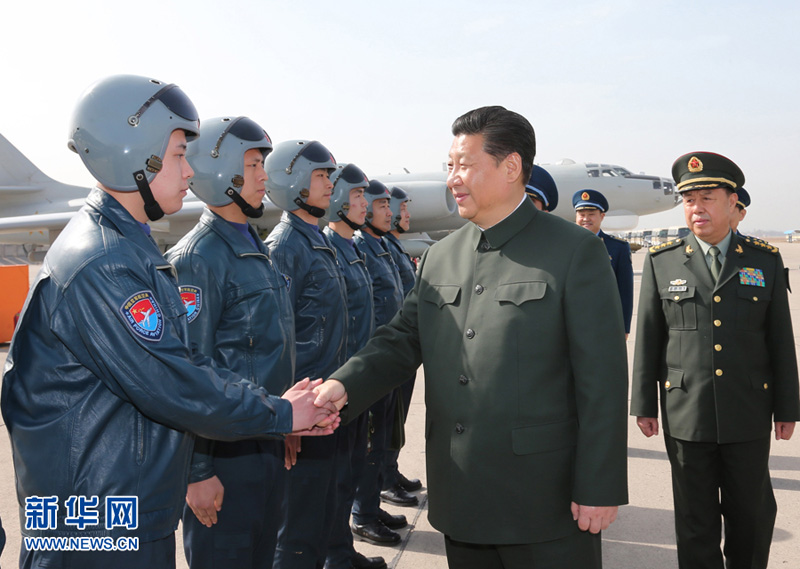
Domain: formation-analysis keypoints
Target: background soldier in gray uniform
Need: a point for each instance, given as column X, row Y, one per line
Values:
column 714, row 341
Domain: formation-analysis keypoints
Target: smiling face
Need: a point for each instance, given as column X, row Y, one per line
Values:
column 485, row 189
column 708, row 213
column 170, row 185
column 590, row 218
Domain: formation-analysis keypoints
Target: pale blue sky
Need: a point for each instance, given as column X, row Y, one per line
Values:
column 630, row 83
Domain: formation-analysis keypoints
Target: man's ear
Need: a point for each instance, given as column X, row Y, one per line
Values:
column 513, row 166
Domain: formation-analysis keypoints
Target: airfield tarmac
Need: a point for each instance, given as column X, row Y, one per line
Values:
column 643, row 535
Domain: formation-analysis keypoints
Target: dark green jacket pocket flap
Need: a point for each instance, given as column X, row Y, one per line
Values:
column 519, row 293
column 441, row 294
column 674, row 379
column 544, row 438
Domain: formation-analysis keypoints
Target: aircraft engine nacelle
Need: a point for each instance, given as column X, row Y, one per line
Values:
column 429, row 200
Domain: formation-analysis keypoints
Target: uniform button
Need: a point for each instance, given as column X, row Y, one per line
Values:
column 459, row 428
column 478, row 289
column 717, row 323
column 718, row 347
column 667, row 384
column 717, row 299
column 766, row 386
column 463, row 379
column 676, row 297
column 470, row 333
column 718, row 372
column 755, row 299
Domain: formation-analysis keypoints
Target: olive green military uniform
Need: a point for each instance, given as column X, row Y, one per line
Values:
column 520, row 332
column 722, row 359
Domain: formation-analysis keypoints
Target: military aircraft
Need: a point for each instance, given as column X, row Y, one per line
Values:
column 34, row 208
column 629, row 195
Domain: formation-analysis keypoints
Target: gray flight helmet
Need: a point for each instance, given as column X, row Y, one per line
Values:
column 399, row 196
column 217, row 157
column 345, row 178
column 289, row 167
column 122, row 124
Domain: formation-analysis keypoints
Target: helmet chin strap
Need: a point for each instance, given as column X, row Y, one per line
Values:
column 313, row 210
column 247, row 209
column 398, row 228
column 350, row 223
column 378, row 232
column 151, row 207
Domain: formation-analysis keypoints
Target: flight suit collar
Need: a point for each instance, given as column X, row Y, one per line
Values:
column 498, row 235
column 124, row 222
column 348, row 248
column 231, row 236
column 316, row 239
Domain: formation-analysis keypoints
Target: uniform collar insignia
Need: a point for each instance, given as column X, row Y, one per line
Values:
column 689, row 250
column 739, row 249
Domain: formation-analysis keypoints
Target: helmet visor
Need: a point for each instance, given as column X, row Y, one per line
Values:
column 352, row 174
column 174, row 99
column 245, row 129
column 314, row 152
column 399, row 194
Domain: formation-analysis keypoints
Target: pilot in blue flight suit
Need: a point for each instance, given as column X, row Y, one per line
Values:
column 370, row 522
column 401, row 222
column 347, row 214
column 102, row 394
column 298, row 182
column 590, row 210
column 240, row 316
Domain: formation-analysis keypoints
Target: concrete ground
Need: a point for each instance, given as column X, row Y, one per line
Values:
column 643, row 535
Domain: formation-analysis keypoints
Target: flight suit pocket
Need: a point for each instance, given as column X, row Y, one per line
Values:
column 544, row 438
column 519, row 293
column 674, row 379
column 679, row 308
column 441, row 295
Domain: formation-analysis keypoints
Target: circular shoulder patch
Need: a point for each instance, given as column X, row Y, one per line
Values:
column 144, row 316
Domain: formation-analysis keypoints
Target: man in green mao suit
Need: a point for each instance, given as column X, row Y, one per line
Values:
column 517, row 321
column 714, row 343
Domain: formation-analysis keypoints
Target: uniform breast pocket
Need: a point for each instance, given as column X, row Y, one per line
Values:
column 442, row 295
column 679, row 308
column 751, row 307
column 521, row 292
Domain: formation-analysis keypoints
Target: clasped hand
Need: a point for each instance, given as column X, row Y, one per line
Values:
column 310, row 418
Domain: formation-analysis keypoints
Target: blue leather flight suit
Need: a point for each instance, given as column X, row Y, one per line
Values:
column 408, row 273
column 318, row 293
column 241, row 317
column 620, row 254
column 387, row 294
column 101, row 392
column 353, row 450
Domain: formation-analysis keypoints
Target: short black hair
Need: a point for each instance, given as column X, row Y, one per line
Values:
column 503, row 132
